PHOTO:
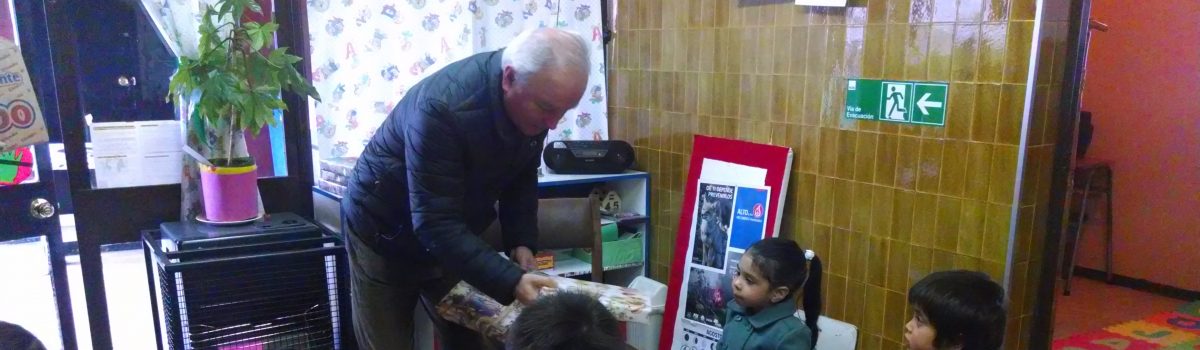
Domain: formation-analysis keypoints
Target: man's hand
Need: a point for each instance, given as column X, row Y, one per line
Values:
column 524, row 258
column 529, row 286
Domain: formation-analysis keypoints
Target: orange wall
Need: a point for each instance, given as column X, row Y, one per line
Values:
column 1143, row 88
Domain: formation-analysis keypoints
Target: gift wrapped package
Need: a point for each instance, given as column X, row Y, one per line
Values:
column 468, row 307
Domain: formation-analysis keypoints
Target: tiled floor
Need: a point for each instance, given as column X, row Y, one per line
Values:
column 32, row 303
column 1094, row 305
column 129, row 314
column 27, row 298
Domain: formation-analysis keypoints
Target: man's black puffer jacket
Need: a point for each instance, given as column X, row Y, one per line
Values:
column 428, row 182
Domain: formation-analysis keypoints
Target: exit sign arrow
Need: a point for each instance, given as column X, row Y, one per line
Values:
column 925, row 103
column 897, row 101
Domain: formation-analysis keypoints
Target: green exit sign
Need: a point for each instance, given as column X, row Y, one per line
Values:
column 911, row 102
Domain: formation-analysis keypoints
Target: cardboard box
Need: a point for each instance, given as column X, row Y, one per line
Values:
column 545, row 260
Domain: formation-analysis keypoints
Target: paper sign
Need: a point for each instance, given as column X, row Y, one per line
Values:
column 749, row 213
column 908, row 102
column 58, row 156
column 732, row 173
column 21, row 119
column 836, row 3
column 137, row 153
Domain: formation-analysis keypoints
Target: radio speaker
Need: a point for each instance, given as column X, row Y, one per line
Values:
column 588, row 157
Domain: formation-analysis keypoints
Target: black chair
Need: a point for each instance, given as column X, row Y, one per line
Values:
column 1091, row 178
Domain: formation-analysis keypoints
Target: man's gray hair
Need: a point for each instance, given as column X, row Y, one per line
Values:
column 539, row 49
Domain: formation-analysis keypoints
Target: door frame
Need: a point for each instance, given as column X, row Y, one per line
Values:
column 118, row 215
column 1042, row 330
column 32, row 30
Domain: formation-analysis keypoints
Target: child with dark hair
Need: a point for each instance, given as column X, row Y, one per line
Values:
column 955, row 310
column 565, row 321
column 14, row 337
column 769, row 276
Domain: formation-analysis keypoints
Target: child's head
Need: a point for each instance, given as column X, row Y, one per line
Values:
column 955, row 310
column 15, row 337
column 772, row 271
column 565, row 321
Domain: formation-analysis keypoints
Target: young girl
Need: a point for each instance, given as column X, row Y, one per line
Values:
column 769, row 275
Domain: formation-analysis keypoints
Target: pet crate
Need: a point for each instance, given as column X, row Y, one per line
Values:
column 279, row 283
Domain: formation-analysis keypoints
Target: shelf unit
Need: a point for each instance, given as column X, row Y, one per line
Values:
column 632, row 186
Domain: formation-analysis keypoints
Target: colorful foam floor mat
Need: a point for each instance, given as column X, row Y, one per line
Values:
column 1179, row 329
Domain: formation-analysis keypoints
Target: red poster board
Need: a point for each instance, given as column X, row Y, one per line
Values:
column 775, row 160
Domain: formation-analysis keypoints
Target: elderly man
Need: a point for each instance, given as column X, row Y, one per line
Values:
column 427, row 184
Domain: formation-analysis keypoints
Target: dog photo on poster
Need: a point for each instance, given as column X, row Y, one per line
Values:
column 714, row 213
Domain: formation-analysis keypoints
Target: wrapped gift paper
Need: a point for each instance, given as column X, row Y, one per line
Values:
column 468, row 307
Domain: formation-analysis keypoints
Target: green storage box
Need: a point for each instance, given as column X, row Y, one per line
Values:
column 624, row 251
column 609, row 232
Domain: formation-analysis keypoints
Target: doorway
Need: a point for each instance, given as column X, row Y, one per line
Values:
column 33, row 264
column 1130, row 173
column 74, row 236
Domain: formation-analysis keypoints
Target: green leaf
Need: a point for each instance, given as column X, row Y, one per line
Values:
column 197, row 127
column 263, row 117
column 225, row 7
column 266, row 89
column 276, row 103
column 254, row 33
column 299, row 84
column 179, row 82
column 239, row 8
column 250, row 111
column 256, row 42
column 264, row 34
column 205, row 40
column 292, row 59
column 267, row 37
column 267, row 117
column 278, row 58
column 253, row 5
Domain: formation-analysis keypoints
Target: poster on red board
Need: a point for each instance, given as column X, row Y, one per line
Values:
column 728, row 219
column 753, row 177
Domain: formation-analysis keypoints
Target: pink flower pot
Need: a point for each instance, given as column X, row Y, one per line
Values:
column 230, row 193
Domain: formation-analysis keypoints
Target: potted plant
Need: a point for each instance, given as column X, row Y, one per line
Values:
column 233, row 85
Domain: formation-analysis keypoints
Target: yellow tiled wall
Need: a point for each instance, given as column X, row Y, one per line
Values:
column 883, row 204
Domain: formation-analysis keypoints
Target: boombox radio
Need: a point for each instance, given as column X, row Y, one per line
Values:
column 588, row 157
